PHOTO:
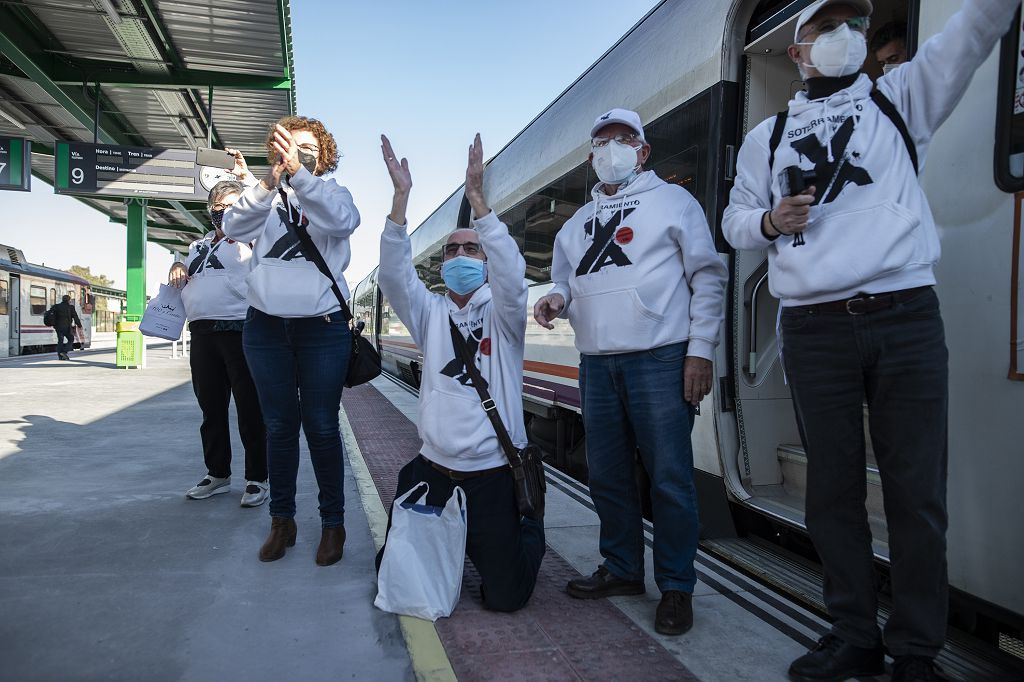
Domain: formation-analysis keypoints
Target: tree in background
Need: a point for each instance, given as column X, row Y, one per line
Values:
column 84, row 272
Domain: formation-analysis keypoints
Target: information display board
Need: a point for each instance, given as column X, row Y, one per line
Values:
column 15, row 164
column 144, row 172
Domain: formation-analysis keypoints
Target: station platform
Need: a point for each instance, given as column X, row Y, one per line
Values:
column 108, row 572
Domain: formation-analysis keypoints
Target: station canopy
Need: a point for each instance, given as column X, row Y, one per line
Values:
column 157, row 66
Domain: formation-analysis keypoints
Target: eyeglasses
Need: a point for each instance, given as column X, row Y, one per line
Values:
column 468, row 248
column 221, row 207
column 625, row 138
column 310, row 148
column 860, row 24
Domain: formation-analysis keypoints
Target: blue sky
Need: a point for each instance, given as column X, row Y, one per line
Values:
column 428, row 74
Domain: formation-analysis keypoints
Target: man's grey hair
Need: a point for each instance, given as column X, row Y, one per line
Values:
column 221, row 190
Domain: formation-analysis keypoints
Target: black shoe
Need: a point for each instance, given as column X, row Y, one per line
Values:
column 914, row 669
column 675, row 613
column 833, row 660
column 603, row 584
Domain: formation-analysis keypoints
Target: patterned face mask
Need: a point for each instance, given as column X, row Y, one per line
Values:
column 217, row 217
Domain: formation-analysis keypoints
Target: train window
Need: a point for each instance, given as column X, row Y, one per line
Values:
column 1009, row 165
column 37, row 299
column 545, row 213
column 53, row 297
column 679, row 142
column 5, row 297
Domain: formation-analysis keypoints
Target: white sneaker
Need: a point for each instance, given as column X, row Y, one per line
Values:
column 255, row 493
column 208, row 487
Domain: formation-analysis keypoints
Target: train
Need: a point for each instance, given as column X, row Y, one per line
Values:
column 26, row 292
column 701, row 73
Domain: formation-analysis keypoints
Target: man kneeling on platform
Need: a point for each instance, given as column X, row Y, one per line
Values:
column 485, row 276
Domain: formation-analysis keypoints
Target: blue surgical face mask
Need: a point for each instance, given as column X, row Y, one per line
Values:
column 463, row 274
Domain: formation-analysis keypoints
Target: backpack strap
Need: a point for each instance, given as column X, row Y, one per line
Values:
column 889, row 109
column 776, row 138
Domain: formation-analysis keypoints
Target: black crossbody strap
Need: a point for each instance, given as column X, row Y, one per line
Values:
column 889, row 109
column 309, row 249
column 776, row 138
column 477, row 381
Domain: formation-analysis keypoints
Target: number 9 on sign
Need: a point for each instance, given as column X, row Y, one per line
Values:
column 77, row 175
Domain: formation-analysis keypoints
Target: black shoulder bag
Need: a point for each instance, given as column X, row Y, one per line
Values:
column 363, row 360
column 526, row 464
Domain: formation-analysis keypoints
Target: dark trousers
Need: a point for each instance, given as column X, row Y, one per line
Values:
column 219, row 371
column 896, row 359
column 299, row 367
column 505, row 547
column 65, row 333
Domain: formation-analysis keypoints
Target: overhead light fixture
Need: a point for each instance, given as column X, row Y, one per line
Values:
column 15, row 122
column 108, row 7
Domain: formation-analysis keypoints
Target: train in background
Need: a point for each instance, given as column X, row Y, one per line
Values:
column 701, row 73
column 26, row 292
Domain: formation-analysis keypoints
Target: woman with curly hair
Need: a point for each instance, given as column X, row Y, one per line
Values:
column 296, row 338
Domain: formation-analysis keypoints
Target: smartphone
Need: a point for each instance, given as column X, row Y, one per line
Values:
column 215, row 158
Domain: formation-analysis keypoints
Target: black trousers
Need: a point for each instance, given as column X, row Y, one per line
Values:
column 65, row 333
column 896, row 359
column 505, row 547
column 219, row 371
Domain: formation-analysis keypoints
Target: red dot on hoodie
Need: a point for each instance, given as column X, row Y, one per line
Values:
column 624, row 235
column 485, row 346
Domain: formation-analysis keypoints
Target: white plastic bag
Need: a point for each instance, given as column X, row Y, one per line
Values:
column 421, row 571
column 165, row 315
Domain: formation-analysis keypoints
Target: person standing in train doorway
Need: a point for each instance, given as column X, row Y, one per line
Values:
column 486, row 300
column 851, row 257
column 296, row 339
column 637, row 273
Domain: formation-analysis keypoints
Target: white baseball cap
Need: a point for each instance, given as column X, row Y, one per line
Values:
column 863, row 6
column 626, row 117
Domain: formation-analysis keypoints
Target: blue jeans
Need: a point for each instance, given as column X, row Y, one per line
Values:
column 299, row 366
column 895, row 360
column 633, row 402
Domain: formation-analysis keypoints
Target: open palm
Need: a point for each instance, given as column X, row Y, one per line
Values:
column 401, row 178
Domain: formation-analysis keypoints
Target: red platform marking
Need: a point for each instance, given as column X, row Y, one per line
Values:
column 555, row 637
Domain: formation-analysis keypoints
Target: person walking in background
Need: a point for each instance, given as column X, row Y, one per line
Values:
column 296, row 339
column 852, row 259
column 65, row 319
column 637, row 273
column 212, row 280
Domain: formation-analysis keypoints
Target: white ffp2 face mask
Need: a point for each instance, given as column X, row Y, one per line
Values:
column 838, row 53
column 615, row 162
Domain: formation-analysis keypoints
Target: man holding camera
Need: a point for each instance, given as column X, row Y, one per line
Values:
column 484, row 273
column 851, row 256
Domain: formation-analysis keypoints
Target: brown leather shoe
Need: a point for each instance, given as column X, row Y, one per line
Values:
column 603, row 584
column 332, row 545
column 282, row 534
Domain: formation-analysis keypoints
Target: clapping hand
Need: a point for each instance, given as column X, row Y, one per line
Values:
column 401, row 178
column 475, row 179
column 287, row 150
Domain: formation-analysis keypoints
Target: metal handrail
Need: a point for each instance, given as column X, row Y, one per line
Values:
column 752, row 352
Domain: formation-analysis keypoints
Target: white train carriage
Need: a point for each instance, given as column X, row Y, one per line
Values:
column 26, row 292
column 701, row 73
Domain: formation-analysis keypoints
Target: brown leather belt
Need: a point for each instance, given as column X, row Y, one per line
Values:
column 464, row 475
column 862, row 304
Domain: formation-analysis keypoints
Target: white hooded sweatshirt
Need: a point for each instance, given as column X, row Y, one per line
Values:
column 639, row 270
column 871, row 229
column 283, row 281
column 216, row 288
column 455, row 430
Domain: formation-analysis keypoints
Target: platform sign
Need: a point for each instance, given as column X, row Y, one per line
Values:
column 114, row 170
column 15, row 164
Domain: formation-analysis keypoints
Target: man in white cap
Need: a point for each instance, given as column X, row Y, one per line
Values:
column 851, row 257
column 637, row 273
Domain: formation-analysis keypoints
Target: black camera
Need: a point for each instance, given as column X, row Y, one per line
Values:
column 795, row 180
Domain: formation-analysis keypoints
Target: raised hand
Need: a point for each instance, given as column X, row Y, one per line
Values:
column 241, row 168
column 401, row 178
column 287, row 150
column 475, row 179
column 547, row 309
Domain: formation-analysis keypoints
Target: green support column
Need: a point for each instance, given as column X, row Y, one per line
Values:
column 136, row 256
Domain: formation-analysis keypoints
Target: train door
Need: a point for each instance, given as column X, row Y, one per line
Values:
column 5, row 316
column 13, row 337
column 771, row 462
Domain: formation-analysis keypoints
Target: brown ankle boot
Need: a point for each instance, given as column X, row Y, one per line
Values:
column 332, row 545
column 282, row 534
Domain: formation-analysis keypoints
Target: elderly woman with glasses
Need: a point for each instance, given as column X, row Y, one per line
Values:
column 212, row 280
column 297, row 338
